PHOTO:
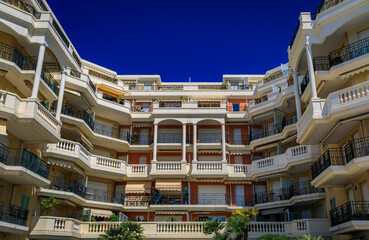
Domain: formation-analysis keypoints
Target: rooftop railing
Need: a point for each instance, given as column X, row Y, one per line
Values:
column 13, row 214
column 276, row 75
column 281, row 194
column 349, row 212
column 24, row 158
column 23, row 5
column 67, row 185
column 170, row 104
column 340, row 156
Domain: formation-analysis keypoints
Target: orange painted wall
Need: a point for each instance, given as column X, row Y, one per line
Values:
column 244, row 133
column 244, row 103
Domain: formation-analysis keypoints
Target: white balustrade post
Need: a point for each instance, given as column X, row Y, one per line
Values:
column 61, row 94
column 40, row 62
column 309, row 59
column 297, row 95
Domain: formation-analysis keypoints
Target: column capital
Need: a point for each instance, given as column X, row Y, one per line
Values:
column 307, row 42
column 43, row 44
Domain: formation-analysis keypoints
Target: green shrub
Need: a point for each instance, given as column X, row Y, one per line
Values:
column 274, row 237
column 113, row 218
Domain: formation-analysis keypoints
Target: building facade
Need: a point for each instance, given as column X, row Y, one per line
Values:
column 292, row 143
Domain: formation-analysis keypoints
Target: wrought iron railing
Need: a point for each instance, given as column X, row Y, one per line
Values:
column 12, row 54
column 49, row 80
column 142, row 140
column 193, row 199
column 321, row 64
column 276, row 75
column 170, row 138
column 75, row 73
column 272, row 129
column 60, row 33
column 80, row 113
column 67, row 185
column 100, row 195
column 170, row 104
column 170, row 87
column 42, row 5
column 76, row 58
column 23, row 5
column 212, row 87
column 349, row 211
column 281, row 194
column 13, row 214
column 305, row 82
column 341, row 156
column 24, row 158
column 210, row 138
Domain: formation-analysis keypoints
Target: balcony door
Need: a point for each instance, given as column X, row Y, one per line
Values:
column 237, row 136
column 212, row 195
column 240, row 195
column 97, row 191
column 144, row 136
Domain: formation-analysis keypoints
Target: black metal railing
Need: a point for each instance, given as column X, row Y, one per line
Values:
column 324, row 5
column 67, row 185
column 13, row 214
column 109, row 98
column 76, row 58
column 49, row 80
column 24, row 6
column 210, row 137
column 276, row 75
column 170, row 87
column 106, row 130
column 92, row 85
column 272, row 129
column 340, row 156
column 238, row 140
column 170, row 104
column 24, row 158
column 193, row 199
column 321, row 64
column 60, row 33
column 305, row 82
column 281, row 194
column 208, row 104
column 80, row 113
column 212, row 87
column 102, row 76
column 100, row 195
column 295, row 34
column 141, row 140
column 12, row 54
column 261, row 100
column 348, row 212
column 42, row 5
column 170, row 138
column 75, row 73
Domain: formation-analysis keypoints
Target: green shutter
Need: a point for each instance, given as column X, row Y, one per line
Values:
column 333, row 203
column 25, row 201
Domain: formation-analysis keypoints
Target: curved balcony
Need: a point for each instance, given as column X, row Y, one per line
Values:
column 172, row 169
column 209, row 169
column 109, row 136
column 339, row 166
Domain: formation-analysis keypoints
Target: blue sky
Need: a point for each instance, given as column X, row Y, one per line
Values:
column 178, row 39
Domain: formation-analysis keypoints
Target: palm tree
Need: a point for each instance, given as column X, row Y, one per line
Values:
column 214, row 227
column 126, row 231
column 238, row 225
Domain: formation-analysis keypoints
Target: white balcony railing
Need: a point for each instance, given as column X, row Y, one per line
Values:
column 137, row 169
column 66, row 226
column 209, row 166
column 239, row 170
column 293, row 155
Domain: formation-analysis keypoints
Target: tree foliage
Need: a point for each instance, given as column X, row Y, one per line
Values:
column 126, row 231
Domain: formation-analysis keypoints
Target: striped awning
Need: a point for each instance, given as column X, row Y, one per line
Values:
column 354, row 72
column 273, row 211
column 171, row 212
column 239, row 152
column 272, row 145
column 238, row 182
column 99, row 212
column 66, row 164
column 110, row 89
column 142, row 187
column 3, row 127
column 169, row 185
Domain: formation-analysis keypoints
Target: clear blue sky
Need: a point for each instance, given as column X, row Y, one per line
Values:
column 177, row 39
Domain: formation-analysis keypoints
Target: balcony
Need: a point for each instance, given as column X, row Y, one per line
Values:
column 209, row 169
column 24, row 6
column 66, row 228
column 67, row 185
column 165, row 169
column 169, row 140
column 189, row 108
column 276, row 75
column 137, row 171
column 292, row 161
column 328, row 112
column 350, row 217
column 13, row 219
column 238, row 141
column 22, row 167
column 339, row 166
column 75, row 153
column 72, row 112
column 109, row 136
column 99, row 195
column 239, row 171
column 28, row 119
column 297, row 193
column 165, row 201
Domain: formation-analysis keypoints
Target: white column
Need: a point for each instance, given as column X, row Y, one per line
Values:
column 184, row 142
column 297, row 95
column 61, row 95
column 194, row 135
column 155, row 141
column 40, row 62
column 309, row 59
column 223, row 143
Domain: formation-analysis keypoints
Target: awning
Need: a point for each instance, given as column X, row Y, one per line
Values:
column 66, row 164
column 3, row 127
column 354, row 72
column 211, row 180
column 266, row 146
column 171, row 212
column 263, row 116
column 143, row 187
column 240, row 153
column 110, row 89
column 209, row 151
column 143, row 101
column 238, row 182
column 168, row 185
column 99, row 212
column 272, row 211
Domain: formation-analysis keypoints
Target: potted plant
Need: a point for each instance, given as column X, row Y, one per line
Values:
column 48, row 205
column 134, row 137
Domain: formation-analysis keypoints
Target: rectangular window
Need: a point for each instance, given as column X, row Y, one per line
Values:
column 25, row 201
column 145, row 107
column 148, row 86
column 234, row 86
column 236, row 107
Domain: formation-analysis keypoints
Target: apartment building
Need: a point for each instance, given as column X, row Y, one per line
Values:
column 291, row 143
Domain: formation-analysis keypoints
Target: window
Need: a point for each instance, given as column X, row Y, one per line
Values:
column 236, row 107
column 148, row 86
column 234, row 86
column 145, row 107
column 25, row 201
